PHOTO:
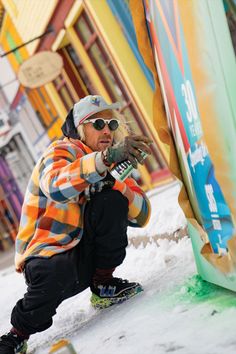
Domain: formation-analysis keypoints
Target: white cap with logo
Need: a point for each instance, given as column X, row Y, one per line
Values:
column 90, row 105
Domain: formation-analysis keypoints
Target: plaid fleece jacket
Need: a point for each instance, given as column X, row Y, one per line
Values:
column 52, row 213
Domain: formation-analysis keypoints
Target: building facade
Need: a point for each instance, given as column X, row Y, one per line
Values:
column 96, row 60
column 97, row 42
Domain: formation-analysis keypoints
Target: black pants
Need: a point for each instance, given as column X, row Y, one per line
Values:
column 52, row 280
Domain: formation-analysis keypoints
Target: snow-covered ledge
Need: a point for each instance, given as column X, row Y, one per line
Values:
column 167, row 218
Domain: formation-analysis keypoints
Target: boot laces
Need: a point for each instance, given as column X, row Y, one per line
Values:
column 120, row 280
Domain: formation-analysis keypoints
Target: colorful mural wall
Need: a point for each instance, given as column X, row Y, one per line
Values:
column 192, row 52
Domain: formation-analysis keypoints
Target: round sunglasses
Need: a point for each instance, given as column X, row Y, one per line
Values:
column 99, row 123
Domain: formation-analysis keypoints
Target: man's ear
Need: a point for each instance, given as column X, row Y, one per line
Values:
column 68, row 128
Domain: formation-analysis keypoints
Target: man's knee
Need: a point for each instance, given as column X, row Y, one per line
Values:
column 51, row 275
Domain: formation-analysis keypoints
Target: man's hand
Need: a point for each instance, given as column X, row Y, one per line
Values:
column 131, row 148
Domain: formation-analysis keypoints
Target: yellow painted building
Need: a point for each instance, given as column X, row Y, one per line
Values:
column 47, row 114
column 30, row 18
column 97, row 60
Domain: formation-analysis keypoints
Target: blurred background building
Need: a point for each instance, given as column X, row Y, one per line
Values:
column 97, row 41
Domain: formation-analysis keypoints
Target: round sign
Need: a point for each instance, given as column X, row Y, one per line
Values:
column 40, row 69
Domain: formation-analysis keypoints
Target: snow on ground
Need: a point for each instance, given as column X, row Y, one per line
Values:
column 177, row 312
column 166, row 217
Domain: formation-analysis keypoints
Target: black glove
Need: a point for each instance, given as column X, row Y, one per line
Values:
column 107, row 183
column 131, row 148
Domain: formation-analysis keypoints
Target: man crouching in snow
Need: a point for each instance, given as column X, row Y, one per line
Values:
column 73, row 229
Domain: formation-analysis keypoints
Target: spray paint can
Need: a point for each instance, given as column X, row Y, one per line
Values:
column 124, row 169
column 63, row 346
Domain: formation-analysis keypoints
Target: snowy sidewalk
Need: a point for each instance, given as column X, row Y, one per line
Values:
column 177, row 312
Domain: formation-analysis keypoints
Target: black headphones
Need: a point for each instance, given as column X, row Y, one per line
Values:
column 68, row 128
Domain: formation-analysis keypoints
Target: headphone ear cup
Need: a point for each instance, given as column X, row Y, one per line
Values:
column 68, row 128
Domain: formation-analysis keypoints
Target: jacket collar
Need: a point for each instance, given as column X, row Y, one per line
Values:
column 79, row 143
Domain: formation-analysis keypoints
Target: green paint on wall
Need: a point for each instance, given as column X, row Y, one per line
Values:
column 12, row 45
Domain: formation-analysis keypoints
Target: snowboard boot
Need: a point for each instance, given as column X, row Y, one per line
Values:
column 11, row 343
column 114, row 291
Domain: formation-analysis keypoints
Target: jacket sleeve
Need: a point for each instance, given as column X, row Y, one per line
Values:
column 64, row 175
column 139, row 205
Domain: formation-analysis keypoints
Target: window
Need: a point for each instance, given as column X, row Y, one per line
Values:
column 52, row 114
column 86, row 82
column 112, row 81
column 99, row 57
column 43, row 107
column 64, row 92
